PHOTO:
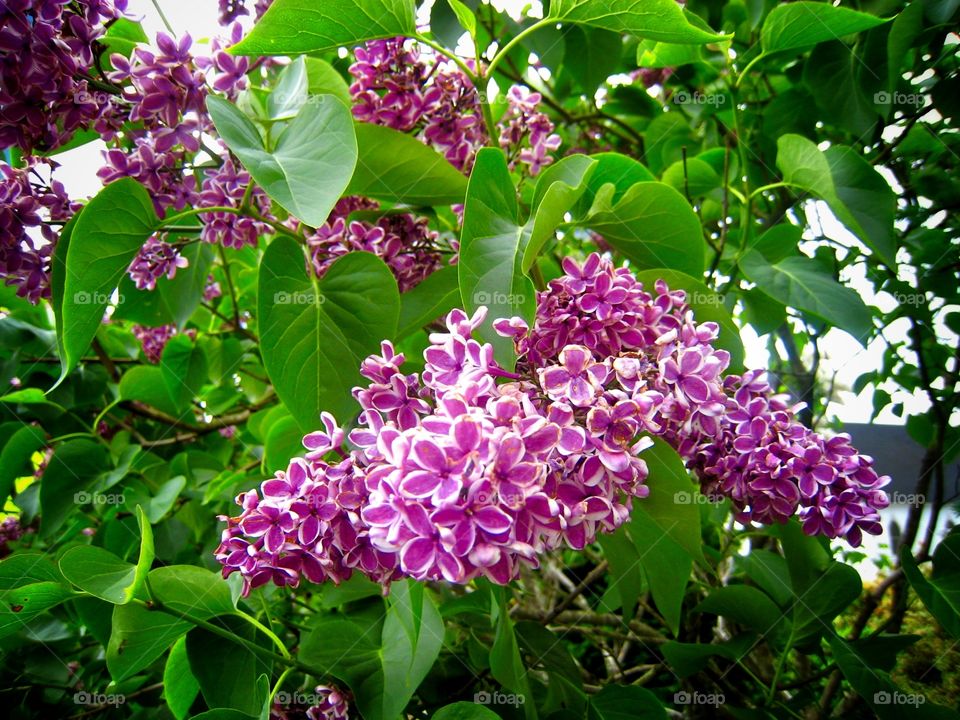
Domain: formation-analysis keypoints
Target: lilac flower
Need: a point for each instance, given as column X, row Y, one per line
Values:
column 741, row 439
column 523, row 124
column 46, row 50
column 230, row 10
column 403, row 241
column 229, row 72
column 153, row 340
column 156, row 259
column 211, row 290
column 28, row 204
column 226, row 187
column 332, row 704
column 10, row 531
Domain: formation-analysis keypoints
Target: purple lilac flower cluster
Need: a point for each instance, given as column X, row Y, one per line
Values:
column 11, row 531
column 47, row 48
column 403, row 241
column 526, row 132
column 467, row 470
column 28, row 202
column 153, row 340
column 156, row 259
column 742, row 440
column 230, row 10
column 226, row 186
column 396, row 87
column 454, row 475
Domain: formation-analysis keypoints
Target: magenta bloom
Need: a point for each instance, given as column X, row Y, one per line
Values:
column 155, row 260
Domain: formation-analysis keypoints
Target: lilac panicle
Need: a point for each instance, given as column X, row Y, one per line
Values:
column 742, row 440
column 156, row 259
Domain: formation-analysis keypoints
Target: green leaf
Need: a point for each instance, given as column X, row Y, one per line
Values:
column 708, row 306
column 464, row 15
column 109, row 233
column 491, row 251
column 652, row 226
column 314, row 335
column 622, row 702
column 382, row 659
column 411, row 642
column 868, row 203
column 323, row 79
column 100, row 573
column 184, row 369
column 18, row 606
column 831, row 75
column 225, row 714
column 666, row 566
column 620, row 171
column 672, row 504
column 25, row 568
column 778, row 242
column 856, row 193
column 429, row 300
column 804, row 24
column 941, row 592
column 141, row 634
column 465, row 711
column 801, row 283
column 309, row 165
column 886, row 700
column 180, row 687
column 397, row 167
column 592, row 55
column 147, row 552
column 690, row 658
column 558, row 189
column 655, row 19
column 506, row 665
column 291, row 27
column 746, row 606
column 226, row 671
column 626, row 569
column 71, row 469
column 148, row 384
column 831, row 594
column 694, row 178
column 290, row 92
column 15, row 457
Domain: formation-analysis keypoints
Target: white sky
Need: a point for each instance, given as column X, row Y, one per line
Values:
column 841, row 354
